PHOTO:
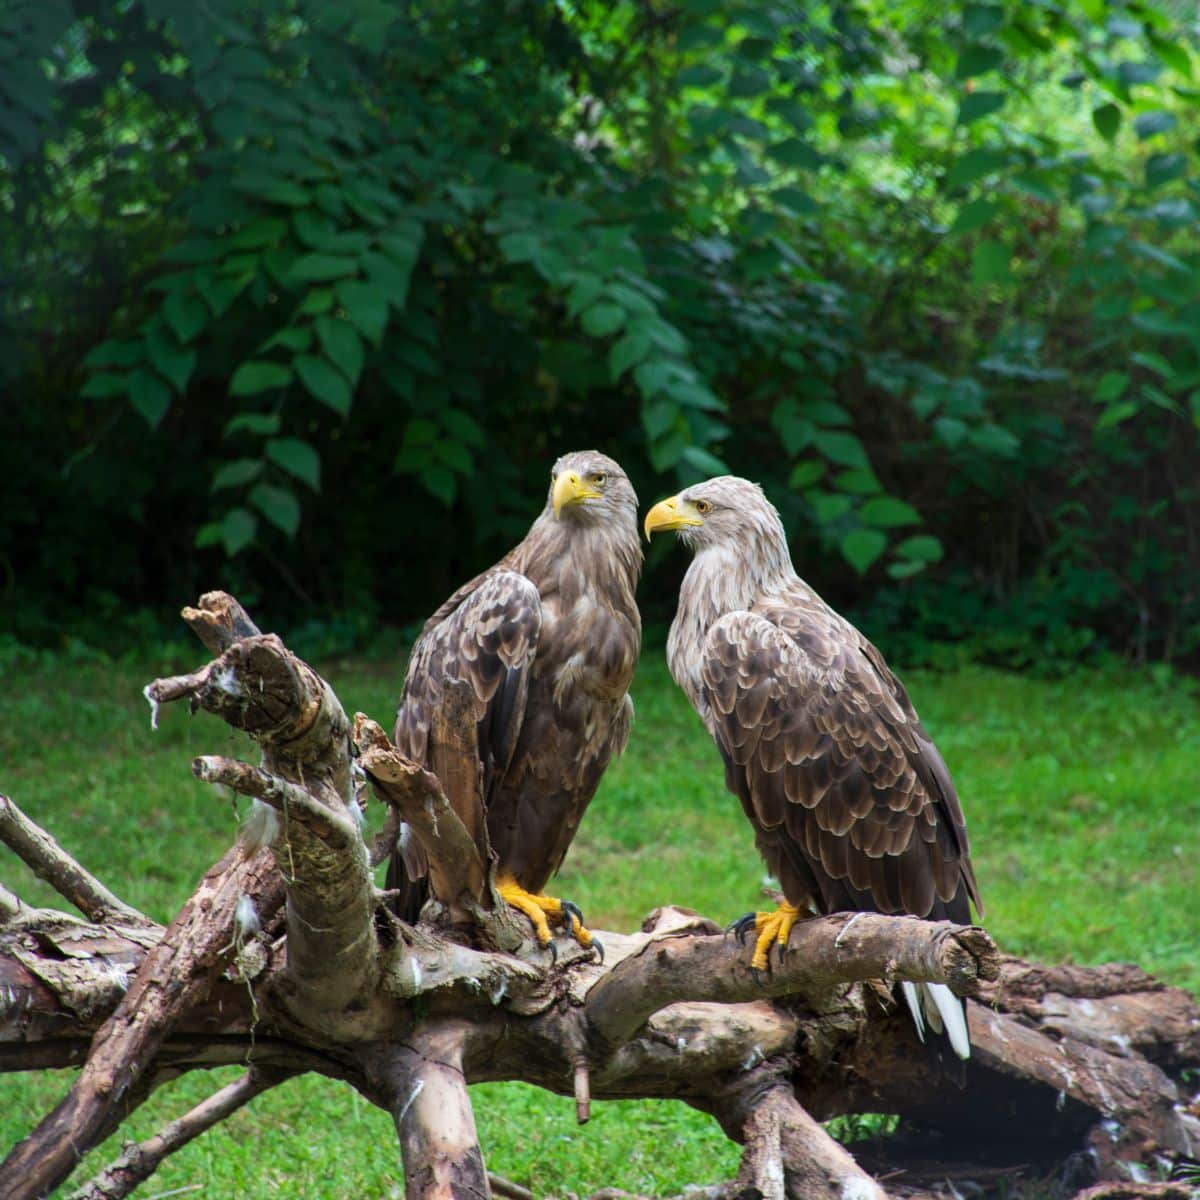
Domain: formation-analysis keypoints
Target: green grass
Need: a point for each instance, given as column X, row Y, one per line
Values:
column 1080, row 794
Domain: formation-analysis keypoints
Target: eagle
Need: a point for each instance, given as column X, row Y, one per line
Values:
column 547, row 640
column 852, row 806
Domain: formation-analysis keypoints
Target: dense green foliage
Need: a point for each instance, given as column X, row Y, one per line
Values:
column 1080, row 795
column 300, row 292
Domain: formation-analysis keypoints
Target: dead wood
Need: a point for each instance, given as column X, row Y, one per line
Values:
column 138, row 1161
column 288, row 959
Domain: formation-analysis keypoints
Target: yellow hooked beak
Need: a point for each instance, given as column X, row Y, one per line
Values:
column 672, row 513
column 569, row 489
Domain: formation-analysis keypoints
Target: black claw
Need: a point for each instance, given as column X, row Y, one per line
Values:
column 598, row 947
column 742, row 926
column 572, row 910
column 758, row 976
column 553, row 952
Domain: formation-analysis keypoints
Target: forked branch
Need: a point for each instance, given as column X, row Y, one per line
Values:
column 49, row 861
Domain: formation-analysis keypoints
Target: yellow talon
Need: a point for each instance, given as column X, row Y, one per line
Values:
column 772, row 927
column 538, row 907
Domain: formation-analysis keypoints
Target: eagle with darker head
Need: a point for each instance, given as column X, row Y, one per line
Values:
column 547, row 640
column 852, row 806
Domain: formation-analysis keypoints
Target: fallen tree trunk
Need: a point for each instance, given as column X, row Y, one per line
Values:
column 288, row 958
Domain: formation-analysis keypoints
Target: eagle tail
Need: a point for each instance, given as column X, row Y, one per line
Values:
column 936, row 1005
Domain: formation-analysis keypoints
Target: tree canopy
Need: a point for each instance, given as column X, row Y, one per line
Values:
column 294, row 283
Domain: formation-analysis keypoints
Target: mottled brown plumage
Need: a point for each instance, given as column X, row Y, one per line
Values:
column 852, row 806
column 548, row 640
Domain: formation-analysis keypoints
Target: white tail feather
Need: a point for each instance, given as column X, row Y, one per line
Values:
column 913, row 1000
column 954, row 1017
column 936, row 1004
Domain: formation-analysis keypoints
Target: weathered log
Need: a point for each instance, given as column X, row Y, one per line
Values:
column 1069, row 1063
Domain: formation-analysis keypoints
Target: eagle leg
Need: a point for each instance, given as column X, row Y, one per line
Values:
column 540, row 909
column 772, row 927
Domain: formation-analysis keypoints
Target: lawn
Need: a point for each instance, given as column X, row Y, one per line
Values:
column 1080, row 796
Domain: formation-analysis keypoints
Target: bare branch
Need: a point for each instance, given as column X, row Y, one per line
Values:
column 789, row 1153
column 178, row 971
column 457, row 871
column 139, row 1161
column 823, row 952
column 218, row 620
column 10, row 903
column 428, row 1098
column 583, row 1093
column 385, row 841
column 505, row 1187
column 288, row 798
column 49, row 861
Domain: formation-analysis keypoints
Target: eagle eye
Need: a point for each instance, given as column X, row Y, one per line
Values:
column 703, row 507
column 599, row 478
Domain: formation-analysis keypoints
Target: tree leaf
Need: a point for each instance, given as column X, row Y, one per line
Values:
column 279, row 505
column 1114, row 414
column 464, row 427
column 238, row 530
column 236, row 474
column 704, row 461
column 321, row 268
column 99, row 387
column 628, row 352
column 979, row 104
column 296, row 339
column 974, row 215
column 977, row 59
column 923, row 548
column 698, row 76
column 342, row 346
column 389, row 276
column 602, row 319
column 261, row 376
column 442, row 482
column 1111, row 386
column 1132, row 73
column 981, row 19
column 659, row 417
column 171, row 360
column 989, row 263
column 1174, row 53
column 805, row 474
column 973, row 165
column 262, row 424
column 887, row 512
column 186, row 314
column 861, row 547
column 150, row 396
column 324, row 382
column 842, row 448
column 1148, row 124
column 366, row 305
column 297, row 458
column 860, row 482
column 1162, row 168
column 950, row 431
column 1107, row 120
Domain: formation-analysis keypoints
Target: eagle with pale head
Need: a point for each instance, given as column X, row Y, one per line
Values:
column 852, row 806
column 547, row 640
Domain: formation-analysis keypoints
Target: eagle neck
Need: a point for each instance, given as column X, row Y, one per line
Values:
column 725, row 576
column 603, row 559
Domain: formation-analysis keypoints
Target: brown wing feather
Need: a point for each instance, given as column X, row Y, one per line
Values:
column 851, row 803
column 487, row 638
